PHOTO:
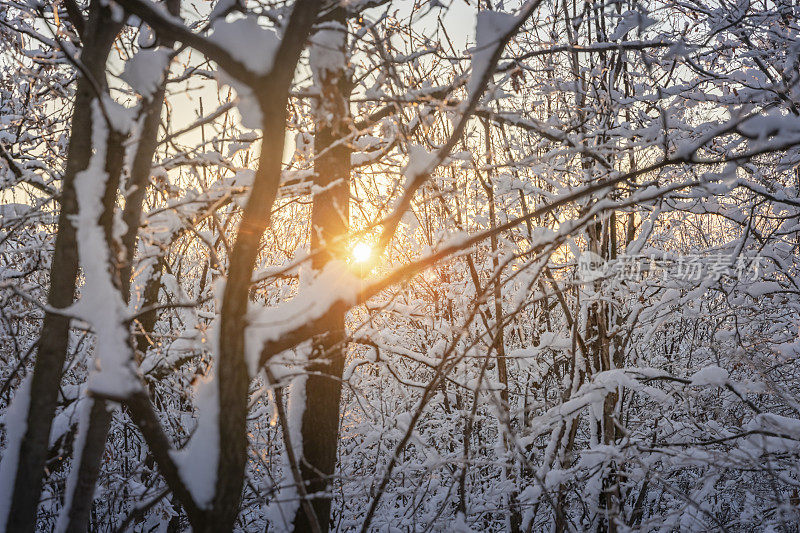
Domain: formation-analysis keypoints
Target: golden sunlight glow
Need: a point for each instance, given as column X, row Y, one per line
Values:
column 362, row 252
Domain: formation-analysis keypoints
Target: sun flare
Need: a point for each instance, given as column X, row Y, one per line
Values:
column 362, row 252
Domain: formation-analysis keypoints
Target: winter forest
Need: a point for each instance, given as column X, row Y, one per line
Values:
column 399, row 265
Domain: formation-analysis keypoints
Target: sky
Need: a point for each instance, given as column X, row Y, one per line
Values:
column 458, row 18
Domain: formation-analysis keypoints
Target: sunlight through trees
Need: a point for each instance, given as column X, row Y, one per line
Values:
column 380, row 265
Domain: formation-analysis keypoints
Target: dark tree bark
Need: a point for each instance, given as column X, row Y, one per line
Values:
column 329, row 227
column 98, row 36
column 272, row 93
column 88, row 463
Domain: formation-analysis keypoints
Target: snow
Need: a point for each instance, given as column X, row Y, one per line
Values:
column 100, row 302
column 281, row 510
column 771, row 128
column 314, row 299
column 241, row 37
column 490, row 28
column 328, row 50
column 788, row 428
column 246, row 104
column 762, row 288
column 85, row 410
column 681, row 438
column 11, row 210
column 145, row 71
column 629, row 20
column 146, row 37
column 554, row 341
column 419, row 163
column 460, row 524
column 295, row 407
column 16, row 423
column 64, row 419
column 197, row 462
column 711, row 375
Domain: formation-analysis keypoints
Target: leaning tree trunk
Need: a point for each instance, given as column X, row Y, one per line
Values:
column 329, row 226
column 272, row 92
column 99, row 33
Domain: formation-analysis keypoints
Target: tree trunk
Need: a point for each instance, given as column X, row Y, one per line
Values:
column 99, row 35
column 232, row 374
column 88, row 464
column 329, row 227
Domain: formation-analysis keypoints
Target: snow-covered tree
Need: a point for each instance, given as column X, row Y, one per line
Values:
column 369, row 265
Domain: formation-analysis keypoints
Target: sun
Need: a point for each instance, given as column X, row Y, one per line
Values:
column 362, row 252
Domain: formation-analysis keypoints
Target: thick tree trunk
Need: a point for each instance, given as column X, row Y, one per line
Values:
column 88, row 464
column 329, row 227
column 100, row 32
column 234, row 381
